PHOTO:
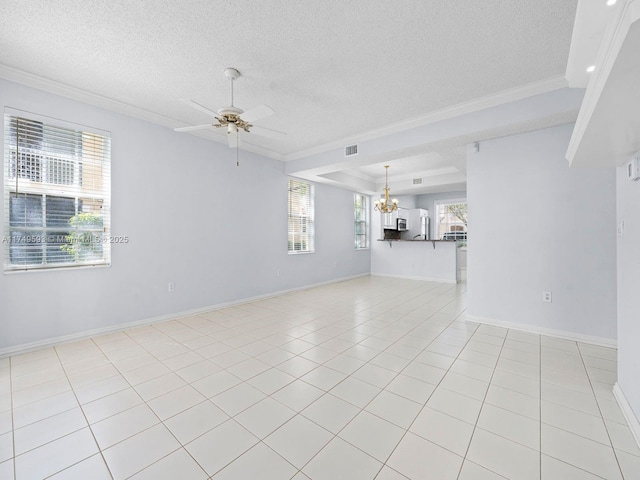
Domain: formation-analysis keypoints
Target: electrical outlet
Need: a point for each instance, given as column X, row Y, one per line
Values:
column 171, row 287
column 546, row 297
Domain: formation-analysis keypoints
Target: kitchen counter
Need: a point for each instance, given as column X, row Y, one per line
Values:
column 417, row 240
column 414, row 240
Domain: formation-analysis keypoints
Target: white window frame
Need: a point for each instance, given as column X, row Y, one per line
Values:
column 436, row 219
column 80, row 177
column 300, row 217
column 364, row 201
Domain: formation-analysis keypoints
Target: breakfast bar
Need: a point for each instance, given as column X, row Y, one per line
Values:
column 433, row 260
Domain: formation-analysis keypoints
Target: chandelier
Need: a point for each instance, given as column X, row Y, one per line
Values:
column 386, row 205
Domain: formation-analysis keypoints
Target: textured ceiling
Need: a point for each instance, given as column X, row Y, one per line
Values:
column 331, row 70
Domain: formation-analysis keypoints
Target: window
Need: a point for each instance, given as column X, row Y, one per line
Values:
column 301, row 226
column 452, row 220
column 361, row 210
column 57, row 194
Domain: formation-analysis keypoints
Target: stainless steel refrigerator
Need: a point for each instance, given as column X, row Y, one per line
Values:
column 418, row 224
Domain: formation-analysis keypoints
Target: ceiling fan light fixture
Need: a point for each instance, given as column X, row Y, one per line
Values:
column 232, row 128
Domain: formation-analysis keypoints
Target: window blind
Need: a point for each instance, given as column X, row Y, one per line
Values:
column 56, row 194
column 301, row 211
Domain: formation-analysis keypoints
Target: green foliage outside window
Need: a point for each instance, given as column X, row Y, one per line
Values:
column 85, row 240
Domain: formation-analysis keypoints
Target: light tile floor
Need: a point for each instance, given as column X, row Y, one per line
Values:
column 374, row 378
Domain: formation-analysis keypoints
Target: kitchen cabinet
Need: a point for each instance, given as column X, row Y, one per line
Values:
column 390, row 220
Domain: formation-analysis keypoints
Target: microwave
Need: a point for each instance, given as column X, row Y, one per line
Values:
column 401, row 224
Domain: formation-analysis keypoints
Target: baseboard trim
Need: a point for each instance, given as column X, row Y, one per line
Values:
column 50, row 342
column 550, row 332
column 414, row 277
column 627, row 411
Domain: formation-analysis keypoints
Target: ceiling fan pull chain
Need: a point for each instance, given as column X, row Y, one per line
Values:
column 237, row 148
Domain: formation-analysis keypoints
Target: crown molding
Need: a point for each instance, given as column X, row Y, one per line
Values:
column 51, row 86
column 74, row 93
column 488, row 101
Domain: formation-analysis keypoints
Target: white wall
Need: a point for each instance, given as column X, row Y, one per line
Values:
column 218, row 231
column 416, row 260
column 628, row 199
column 535, row 225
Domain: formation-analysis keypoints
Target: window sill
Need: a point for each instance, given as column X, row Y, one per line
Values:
column 13, row 271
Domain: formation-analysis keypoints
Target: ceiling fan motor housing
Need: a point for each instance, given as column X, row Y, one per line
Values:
column 230, row 111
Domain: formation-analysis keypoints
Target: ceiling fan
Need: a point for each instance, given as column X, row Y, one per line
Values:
column 230, row 117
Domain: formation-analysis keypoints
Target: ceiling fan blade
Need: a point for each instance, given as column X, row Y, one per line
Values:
column 197, row 106
column 195, row 127
column 267, row 132
column 261, row 111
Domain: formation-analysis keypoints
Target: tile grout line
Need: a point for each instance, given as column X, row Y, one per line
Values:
column 230, row 417
column 207, row 399
column 615, row 454
column 436, row 386
column 336, row 435
column 50, row 416
column 85, row 419
column 101, row 451
column 146, row 403
column 384, row 464
column 567, row 462
column 475, row 427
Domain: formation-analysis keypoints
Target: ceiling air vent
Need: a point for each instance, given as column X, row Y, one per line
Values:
column 350, row 150
column 417, row 181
